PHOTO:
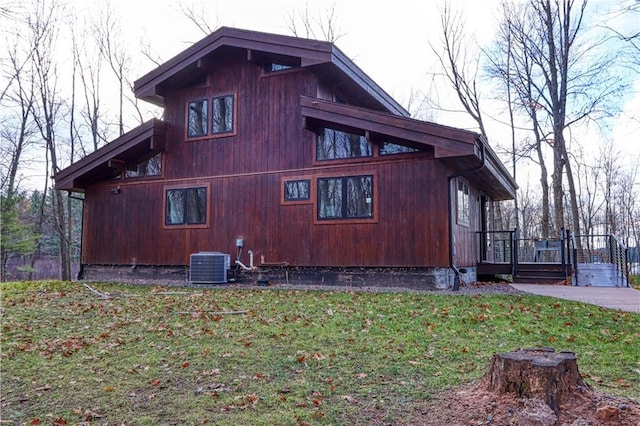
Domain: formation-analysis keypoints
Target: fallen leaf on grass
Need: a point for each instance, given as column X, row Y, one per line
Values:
column 349, row 399
column 620, row 382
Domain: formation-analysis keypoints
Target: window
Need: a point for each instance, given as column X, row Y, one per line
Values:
column 197, row 118
column 388, row 148
column 222, row 115
column 149, row 167
column 333, row 144
column 297, row 190
column 276, row 66
column 349, row 197
column 463, row 203
column 186, row 206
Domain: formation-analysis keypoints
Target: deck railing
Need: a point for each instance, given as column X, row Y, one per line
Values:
column 606, row 249
column 506, row 247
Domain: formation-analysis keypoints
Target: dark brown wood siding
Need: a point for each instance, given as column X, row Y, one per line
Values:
column 244, row 174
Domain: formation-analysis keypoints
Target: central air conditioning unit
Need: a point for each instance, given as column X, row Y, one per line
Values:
column 209, row 267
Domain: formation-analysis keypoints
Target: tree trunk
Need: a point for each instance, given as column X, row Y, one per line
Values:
column 536, row 373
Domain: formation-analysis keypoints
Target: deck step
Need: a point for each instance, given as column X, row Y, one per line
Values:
column 540, row 273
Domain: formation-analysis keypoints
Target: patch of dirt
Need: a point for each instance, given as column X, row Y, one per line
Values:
column 474, row 405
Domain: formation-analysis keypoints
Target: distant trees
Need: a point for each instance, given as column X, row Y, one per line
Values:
column 52, row 111
column 555, row 74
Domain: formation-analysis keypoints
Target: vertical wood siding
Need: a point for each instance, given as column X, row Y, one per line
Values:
column 244, row 173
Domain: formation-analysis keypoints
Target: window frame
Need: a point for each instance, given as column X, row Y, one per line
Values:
column 187, row 135
column 323, row 129
column 206, row 223
column 129, row 169
column 283, row 182
column 383, row 142
column 346, row 220
column 463, row 212
column 234, row 112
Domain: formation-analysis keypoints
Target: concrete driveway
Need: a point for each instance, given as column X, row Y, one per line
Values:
column 625, row 299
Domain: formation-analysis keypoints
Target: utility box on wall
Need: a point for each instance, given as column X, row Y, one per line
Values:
column 209, row 268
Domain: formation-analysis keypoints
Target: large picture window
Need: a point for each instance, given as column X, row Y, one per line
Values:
column 334, row 144
column 197, row 118
column 462, row 203
column 186, row 206
column 222, row 115
column 349, row 197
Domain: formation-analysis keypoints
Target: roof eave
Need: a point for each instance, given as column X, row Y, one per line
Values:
column 152, row 131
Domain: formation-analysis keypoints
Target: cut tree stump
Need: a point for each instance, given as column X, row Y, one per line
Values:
column 536, row 373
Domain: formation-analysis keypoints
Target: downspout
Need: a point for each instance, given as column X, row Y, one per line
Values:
column 454, row 268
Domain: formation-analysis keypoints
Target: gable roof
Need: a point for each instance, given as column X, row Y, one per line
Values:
column 319, row 56
column 144, row 141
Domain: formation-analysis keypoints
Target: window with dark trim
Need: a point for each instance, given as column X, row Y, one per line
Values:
column 197, row 118
column 389, row 148
column 348, row 197
column 277, row 66
column 186, row 206
column 149, row 167
column 222, row 115
column 297, row 190
column 334, row 144
column 462, row 203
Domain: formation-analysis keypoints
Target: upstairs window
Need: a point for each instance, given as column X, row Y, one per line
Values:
column 276, row 66
column 197, row 118
column 462, row 203
column 335, row 144
column 389, row 148
column 149, row 167
column 222, row 115
column 186, row 206
column 348, row 197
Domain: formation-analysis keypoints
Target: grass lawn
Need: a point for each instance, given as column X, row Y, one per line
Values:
column 263, row 356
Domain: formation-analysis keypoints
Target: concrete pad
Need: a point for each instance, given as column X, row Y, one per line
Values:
column 623, row 298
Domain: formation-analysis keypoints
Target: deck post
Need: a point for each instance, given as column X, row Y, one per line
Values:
column 514, row 253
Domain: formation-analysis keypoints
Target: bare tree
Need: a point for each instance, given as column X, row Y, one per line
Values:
column 44, row 26
column 198, row 17
column 113, row 49
column 631, row 35
column 460, row 66
column 567, row 81
column 16, row 132
column 511, row 64
column 87, row 65
column 324, row 26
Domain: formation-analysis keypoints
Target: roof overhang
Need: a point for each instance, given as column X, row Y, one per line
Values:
column 460, row 149
column 143, row 142
column 321, row 56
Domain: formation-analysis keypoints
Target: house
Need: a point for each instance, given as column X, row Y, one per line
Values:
column 282, row 148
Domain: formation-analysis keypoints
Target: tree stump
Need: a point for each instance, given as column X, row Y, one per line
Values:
column 536, row 373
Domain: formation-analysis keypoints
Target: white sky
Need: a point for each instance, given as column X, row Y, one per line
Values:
column 389, row 40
